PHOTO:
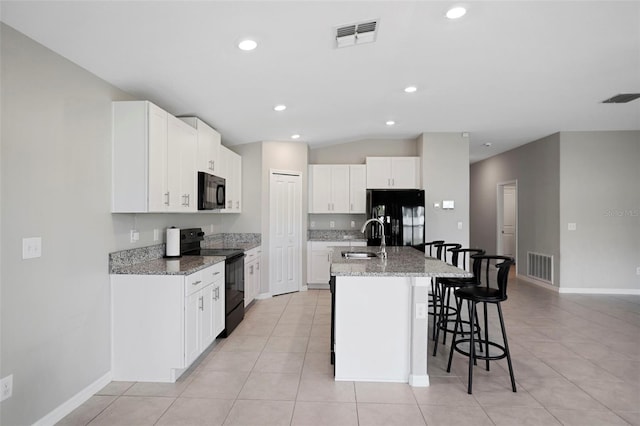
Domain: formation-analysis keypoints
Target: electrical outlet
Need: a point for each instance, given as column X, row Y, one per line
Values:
column 421, row 310
column 31, row 247
column 313, row 224
column 353, row 223
column 6, row 387
column 459, row 225
column 156, row 234
column 211, row 228
column 134, row 236
column 332, row 224
column 571, row 226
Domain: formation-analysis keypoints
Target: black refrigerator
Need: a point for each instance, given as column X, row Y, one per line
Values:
column 402, row 211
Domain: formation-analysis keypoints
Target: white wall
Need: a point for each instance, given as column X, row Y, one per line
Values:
column 445, row 176
column 600, row 193
column 356, row 152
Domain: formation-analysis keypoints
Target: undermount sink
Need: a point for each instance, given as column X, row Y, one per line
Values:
column 358, row 255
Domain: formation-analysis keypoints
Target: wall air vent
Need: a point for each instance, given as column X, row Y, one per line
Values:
column 622, row 98
column 360, row 33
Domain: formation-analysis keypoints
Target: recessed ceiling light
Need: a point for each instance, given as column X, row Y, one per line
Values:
column 456, row 12
column 410, row 89
column 296, row 136
column 280, row 107
column 390, row 123
column 247, row 45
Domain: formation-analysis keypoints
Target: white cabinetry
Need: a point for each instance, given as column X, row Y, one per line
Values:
column 162, row 323
column 153, row 160
column 252, row 274
column 319, row 260
column 357, row 188
column 208, row 145
column 393, row 172
column 330, row 189
column 232, row 172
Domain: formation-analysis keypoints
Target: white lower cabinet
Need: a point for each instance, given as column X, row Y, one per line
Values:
column 162, row 323
column 319, row 260
column 252, row 274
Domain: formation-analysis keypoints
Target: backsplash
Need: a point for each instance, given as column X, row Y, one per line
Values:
column 333, row 235
column 132, row 256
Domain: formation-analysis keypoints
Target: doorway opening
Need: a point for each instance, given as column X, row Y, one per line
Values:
column 507, row 220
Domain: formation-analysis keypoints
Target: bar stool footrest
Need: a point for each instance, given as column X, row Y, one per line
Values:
column 482, row 343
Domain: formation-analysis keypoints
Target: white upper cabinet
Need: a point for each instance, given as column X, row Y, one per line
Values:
column 357, row 188
column 231, row 169
column 208, row 146
column 154, row 157
column 329, row 188
column 393, row 172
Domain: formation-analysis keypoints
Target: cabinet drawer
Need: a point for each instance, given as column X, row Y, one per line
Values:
column 323, row 245
column 193, row 283
column 213, row 273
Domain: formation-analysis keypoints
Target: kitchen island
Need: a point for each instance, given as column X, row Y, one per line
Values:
column 379, row 314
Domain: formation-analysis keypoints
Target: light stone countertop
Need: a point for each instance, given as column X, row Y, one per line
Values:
column 182, row 266
column 400, row 262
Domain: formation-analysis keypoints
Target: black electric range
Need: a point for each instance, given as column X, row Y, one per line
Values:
column 233, row 274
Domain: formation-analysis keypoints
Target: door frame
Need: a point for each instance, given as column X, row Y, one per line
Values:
column 500, row 216
column 298, row 174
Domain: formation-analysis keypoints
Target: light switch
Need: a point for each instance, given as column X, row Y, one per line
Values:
column 459, row 225
column 571, row 227
column 332, row 224
column 31, row 247
column 447, row 204
column 421, row 310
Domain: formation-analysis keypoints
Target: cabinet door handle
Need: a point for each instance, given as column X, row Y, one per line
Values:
column 188, row 199
column 216, row 273
column 251, row 270
column 196, row 282
column 328, row 257
column 237, row 204
column 166, row 200
column 351, row 208
column 393, row 181
column 213, row 164
column 201, row 303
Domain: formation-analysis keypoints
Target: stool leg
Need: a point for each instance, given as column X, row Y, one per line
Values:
column 455, row 334
column 486, row 333
column 436, row 325
column 472, row 349
column 445, row 318
column 436, row 301
column 506, row 347
column 473, row 330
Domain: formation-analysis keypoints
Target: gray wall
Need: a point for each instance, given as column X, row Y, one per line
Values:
column 355, row 152
column 536, row 167
column 251, row 218
column 600, row 192
column 445, row 176
column 56, row 184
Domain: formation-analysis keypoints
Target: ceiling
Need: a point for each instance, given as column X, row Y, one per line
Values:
column 507, row 73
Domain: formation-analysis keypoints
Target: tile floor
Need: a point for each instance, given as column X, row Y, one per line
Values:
column 576, row 361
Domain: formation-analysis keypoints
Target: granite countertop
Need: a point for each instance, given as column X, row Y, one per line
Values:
column 236, row 245
column 333, row 235
column 182, row 266
column 400, row 262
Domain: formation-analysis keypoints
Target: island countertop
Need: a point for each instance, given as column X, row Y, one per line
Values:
column 400, row 262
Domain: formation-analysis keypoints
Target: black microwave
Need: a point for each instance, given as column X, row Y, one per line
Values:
column 210, row 192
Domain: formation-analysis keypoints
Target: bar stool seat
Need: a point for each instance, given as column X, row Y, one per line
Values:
column 484, row 293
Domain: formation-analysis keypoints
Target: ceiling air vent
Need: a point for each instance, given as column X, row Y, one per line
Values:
column 350, row 35
column 622, row 98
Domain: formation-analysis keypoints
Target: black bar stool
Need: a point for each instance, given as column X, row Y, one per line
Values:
column 439, row 307
column 461, row 257
column 434, row 297
column 484, row 293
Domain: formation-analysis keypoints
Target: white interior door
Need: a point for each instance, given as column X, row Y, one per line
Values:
column 509, row 221
column 285, row 234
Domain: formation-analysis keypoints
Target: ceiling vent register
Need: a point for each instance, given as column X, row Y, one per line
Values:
column 622, row 98
column 360, row 33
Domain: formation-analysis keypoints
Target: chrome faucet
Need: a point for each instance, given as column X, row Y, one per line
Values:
column 383, row 244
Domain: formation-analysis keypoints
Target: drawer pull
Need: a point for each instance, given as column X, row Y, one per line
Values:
column 196, row 282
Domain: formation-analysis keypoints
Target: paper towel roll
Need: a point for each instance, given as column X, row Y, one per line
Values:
column 173, row 242
column 173, row 265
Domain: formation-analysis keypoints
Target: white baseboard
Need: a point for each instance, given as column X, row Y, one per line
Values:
column 74, row 402
column 263, row 296
column 580, row 290
column 419, row 381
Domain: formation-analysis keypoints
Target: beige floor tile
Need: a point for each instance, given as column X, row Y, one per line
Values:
column 389, row 415
column 292, row 329
column 159, row 389
column 133, row 410
column 279, row 362
column 627, row 370
column 321, row 330
column 324, row 414
column 271, row 386
column 444, row 391
column 263, row 413
column 115, row 388
column 87, row 411
column 580, row 369
column 324, row 388
column 291, row 317
column 196, row 412
column 244, row 344
column 216, row 384
column 442, row 415
column 253, row 328
column 318, row 363
column 319, row 344
column 287, row 344
column 586, row 417
column 632, row 417
column 619, row 396
column 524, row 416
column 559, row 393
column 230, row 361
column 394, row 393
